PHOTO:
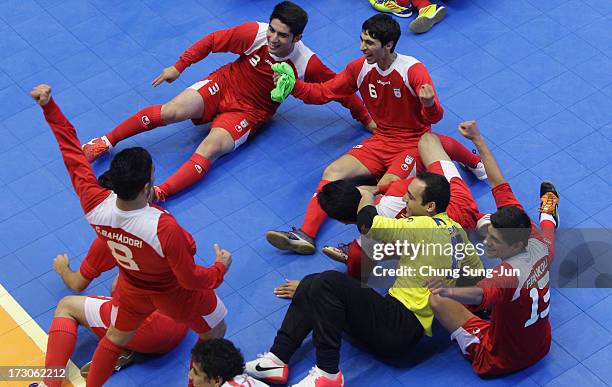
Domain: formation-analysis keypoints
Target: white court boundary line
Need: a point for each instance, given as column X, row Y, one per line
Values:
column 35, row 332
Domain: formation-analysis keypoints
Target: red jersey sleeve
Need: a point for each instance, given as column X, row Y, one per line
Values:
column 83, row 179
column 504, row 196
column 498, row 288
column 317, row 72
column 179, row 253
column 341, row 85
column 237, row 40
column 417, row 77
column 97, row 261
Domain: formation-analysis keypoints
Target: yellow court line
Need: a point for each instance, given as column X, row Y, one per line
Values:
column 35, row 332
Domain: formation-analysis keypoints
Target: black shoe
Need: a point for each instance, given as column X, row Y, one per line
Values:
column 549, row 201
column 295, row 240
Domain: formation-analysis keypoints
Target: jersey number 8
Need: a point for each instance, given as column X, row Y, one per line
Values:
column 123, row 255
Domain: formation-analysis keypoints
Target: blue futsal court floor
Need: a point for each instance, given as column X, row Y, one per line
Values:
column 536, row 74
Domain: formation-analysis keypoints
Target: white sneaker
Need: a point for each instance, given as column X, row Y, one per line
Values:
column 269, row 368
column 316, row 378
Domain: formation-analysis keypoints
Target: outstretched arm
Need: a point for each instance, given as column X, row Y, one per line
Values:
column 316, row 72
column 83, row 179
column 470, row 130
column 342, row 85
column 237, row 40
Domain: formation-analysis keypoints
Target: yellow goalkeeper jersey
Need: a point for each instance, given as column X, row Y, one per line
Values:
column 439, row 247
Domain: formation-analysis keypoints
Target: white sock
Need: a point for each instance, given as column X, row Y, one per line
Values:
column 326, row 374
column 275, row 358
column 549, row 217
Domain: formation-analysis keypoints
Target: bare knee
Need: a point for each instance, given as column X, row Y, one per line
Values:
column 427, row 141
column 66, row 307
column 387, row 179
column 172, row 112
column 333, row 172
column 216, row 144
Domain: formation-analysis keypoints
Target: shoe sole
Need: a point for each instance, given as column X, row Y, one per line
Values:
column 554, row 190
column 281, row 242
column 331, row 254
column 424, row 24
column 402, row 15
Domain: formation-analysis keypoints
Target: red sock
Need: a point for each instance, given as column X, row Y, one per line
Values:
column 188, row 174
column 315, row 216
column 146, row 119
column 457, row 152
column 548, row 234
column 403, row 3
column 353, row 262
column 420, row 3
column 60, row 344
column 103, row 362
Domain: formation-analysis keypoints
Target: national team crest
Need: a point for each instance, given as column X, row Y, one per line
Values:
column 397, row 92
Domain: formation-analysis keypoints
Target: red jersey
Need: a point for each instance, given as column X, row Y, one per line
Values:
column 519, row 334
column 158, row 333
column 391, row 95
column 153, row 252
column 251, row 76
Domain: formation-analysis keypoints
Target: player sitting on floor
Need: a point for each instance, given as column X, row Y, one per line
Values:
column 331, row 302
column 518, row 294
column 399, row 95
column 235, row 98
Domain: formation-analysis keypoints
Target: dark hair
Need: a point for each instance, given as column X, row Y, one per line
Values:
column 104, row 180
column 513, row 224
column 292, row 15
column 384, row 28
column 218, row 358
column 340, row 200
column 437, row 190
column 130, row 171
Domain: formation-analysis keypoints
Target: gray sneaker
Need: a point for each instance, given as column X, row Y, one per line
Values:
column 295, row 240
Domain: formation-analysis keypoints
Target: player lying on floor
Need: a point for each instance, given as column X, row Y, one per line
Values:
column 399, row 94
column 235, row 98
column 518, row 294
column 331, row 303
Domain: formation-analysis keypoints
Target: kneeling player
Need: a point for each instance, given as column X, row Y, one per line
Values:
column 518, row 294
